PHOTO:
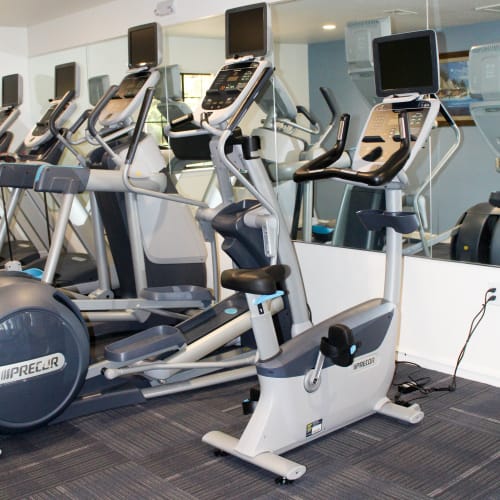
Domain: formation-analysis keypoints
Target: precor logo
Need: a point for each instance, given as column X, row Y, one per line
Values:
column 31, row 368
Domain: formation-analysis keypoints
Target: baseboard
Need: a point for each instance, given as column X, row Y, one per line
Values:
column 433, row 364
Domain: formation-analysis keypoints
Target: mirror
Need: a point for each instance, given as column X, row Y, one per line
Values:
column 307, row 58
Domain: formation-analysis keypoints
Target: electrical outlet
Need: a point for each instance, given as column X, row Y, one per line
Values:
column 495, row 285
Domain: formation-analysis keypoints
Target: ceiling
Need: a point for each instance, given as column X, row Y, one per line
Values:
column 22, row 13
column 300, row 21
column 293, row 20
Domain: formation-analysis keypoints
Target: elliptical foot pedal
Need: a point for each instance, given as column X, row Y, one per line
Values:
column 161, row 338
column 178, row 293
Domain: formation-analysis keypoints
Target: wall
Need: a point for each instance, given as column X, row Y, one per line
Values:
column 112, row 20
column 469, row 176
column 439, row 300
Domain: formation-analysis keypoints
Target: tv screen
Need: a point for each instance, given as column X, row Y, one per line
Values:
column 11, row 90
column 143, row 47
column 406, row 63
column 65, row 79
column 246, row 31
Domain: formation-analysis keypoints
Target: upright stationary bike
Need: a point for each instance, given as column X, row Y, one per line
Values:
column 340, row 370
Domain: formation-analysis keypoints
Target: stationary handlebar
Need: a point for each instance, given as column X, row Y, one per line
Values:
column 308, row 114
column 318, row 168
column 94, row 115
column 141, row 119
column 67, row 98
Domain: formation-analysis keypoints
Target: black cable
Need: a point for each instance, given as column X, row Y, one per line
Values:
column 479, row 316
column 413, row 385
column 7, row 228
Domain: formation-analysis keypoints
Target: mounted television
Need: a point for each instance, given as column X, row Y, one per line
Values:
column 247, row 31
column 406, row 63
column 144, row 46
column 65, row 79
column 12, row 91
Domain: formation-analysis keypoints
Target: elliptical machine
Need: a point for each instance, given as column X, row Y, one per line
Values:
column 477, row 238
column 340, row 370
column 12, row 98
column 43, row 338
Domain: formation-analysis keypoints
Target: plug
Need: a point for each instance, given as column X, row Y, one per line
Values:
column 491, row 293
column 407, row 387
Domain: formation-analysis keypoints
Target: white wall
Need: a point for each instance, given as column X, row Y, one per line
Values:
column 112, row 20
column 439, row 300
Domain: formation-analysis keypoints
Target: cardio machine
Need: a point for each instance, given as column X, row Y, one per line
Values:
column 29, row 210
column 340, row 370
column 477, row 238
column 12, row 98
column 44, row 347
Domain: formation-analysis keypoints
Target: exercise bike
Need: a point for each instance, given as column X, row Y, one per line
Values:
column 340, row 370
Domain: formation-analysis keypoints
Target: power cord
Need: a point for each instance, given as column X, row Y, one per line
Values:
column 419, row 384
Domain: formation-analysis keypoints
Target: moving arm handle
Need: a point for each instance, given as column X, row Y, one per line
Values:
column 81, row 120
column 326, row 93
column 141, row 120
column 381, row 175
column 94, row 115
column 67, row 98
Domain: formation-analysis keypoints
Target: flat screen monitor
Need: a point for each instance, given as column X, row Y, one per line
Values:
column 144, row 49
column 65, row 79
column 247, row 31
column 11, row 91
column 406, row 63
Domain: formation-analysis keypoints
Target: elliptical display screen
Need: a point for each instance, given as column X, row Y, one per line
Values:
column 143, row 50
column 11, row 91
column 65, row 79
column 406, row 63
column 246, row 31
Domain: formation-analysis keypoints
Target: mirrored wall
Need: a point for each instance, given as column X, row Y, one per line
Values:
column 309, row 58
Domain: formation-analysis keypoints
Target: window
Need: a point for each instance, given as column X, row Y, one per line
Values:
column 194, row 87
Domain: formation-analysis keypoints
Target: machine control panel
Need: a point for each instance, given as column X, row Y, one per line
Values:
column 128, row 97
column 228, row 84
column 231, row 88
column 381, row 136
column 40, row 133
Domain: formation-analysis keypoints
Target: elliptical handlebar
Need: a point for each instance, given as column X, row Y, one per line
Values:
column 67, row 98
column 326, row 93
column 81, row 120
column 309, row 115
column 141, row 120
column 94, row 115
column 318, row 168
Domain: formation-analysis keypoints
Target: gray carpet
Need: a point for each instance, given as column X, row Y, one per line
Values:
column 155, row 451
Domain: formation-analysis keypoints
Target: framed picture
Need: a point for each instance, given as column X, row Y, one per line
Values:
column 454, row 86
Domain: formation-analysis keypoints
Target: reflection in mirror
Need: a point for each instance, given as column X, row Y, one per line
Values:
column 308, row 58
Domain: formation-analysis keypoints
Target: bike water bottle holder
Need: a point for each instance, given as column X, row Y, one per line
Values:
column 401, row 222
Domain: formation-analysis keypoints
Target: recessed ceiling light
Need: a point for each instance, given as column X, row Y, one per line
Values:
column 329, row 26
